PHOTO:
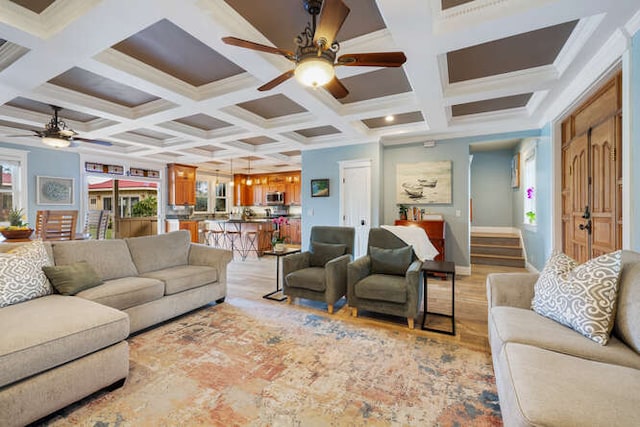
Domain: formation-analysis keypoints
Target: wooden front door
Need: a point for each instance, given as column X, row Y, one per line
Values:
column 592, row 176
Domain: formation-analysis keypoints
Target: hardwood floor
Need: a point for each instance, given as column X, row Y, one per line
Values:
column 255, row 277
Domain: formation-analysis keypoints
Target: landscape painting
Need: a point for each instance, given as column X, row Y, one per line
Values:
column 424, row 183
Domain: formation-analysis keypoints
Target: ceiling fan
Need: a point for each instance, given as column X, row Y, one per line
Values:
column 315, row 56
column 57, row 134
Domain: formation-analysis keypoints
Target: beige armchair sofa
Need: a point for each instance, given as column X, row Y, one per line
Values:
column 58, row 349
column 548, row 374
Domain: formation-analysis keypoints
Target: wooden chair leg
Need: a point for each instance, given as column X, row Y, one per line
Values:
column 410, row 322
column 289, row 300
column 354, row 311
column 330, row 308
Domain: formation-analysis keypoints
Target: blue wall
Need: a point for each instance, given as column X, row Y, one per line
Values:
column 46, row 162
column 537, row 239
column 323, row 163
column 491, row 189
column 634, row 221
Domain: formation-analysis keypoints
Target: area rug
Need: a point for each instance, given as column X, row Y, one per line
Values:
column 259, row 363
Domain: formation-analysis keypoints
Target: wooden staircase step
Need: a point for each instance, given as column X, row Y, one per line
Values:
column 508, row 261
column 496, row 250
column 495, row 239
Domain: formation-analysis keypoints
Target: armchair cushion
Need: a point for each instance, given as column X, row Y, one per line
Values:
column 321, row 253
column 312, row 278
column 390, row 261
column 383, row 287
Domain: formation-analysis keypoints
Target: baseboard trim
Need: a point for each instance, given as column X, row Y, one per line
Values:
column 463, row 271
column 531, row 268
column 495, row 230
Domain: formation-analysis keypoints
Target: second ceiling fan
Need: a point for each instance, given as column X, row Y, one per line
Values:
column 315, row 56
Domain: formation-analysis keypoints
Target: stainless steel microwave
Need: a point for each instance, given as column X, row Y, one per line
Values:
column 275, row 198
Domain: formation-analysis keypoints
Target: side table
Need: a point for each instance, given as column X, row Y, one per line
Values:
column 446, row 268
column 278, row 255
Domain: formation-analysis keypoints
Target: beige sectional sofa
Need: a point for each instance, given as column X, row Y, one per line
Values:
column 549, row 375
column 58, row 349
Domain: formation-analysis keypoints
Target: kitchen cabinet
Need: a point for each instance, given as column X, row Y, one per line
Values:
column 292, row 191
column 258, row 194
column 181, row 182
column 255, row 195
column 191, row 226
column 292, row 231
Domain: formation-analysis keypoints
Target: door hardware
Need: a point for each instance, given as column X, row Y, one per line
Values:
column 586, row 226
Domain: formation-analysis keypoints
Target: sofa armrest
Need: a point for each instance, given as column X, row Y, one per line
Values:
column 510, row 289
column 414, row 290
column 212, row 257
column 356, row 271
column 336, row 277
column 293, row 262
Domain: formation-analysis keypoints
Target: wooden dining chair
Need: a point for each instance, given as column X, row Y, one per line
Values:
column 59, row 225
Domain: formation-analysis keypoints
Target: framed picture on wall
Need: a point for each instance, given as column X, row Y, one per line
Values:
column 424, row 183
column 319, row 188
column 54, row 191
column 515, row 171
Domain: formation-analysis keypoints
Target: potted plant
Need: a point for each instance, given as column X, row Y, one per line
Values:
column 402, row 211
column 277, row 241
column 17, row 229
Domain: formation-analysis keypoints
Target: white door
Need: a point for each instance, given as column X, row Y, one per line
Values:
column 355, row 197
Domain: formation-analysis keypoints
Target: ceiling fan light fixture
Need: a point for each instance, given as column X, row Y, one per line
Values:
column 314, row 71
column 56, row 142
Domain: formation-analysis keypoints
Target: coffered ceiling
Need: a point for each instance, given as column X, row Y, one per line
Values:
column 154, row 78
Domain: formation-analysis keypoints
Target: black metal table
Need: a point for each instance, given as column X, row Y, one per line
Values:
column 278, row 255
column 447, row 268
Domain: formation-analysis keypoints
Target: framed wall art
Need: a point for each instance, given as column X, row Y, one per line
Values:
column 515, row 171
column 424, row 183
column 319, row 188
column 54, row 191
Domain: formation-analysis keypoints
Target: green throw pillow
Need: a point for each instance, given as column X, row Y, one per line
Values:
column 321, row 253
column 391, row 261
column 70, row 279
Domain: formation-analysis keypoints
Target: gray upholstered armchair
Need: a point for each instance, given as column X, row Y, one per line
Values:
column 387, row 279
column 320, row 274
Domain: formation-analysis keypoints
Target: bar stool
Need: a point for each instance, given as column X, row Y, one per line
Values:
column 250, row 240
column 215, row 234
column 233, row 236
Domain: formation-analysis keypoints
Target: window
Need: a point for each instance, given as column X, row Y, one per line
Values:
column 106, row 204
column 530, row 187
column 93, row 202
column 211, row 195
column 13, row 164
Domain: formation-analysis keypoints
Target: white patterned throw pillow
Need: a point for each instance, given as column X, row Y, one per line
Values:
column 21, row 275
column 582, row 297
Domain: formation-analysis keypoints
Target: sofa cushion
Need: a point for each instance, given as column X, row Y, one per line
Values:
column 125, row 292
column 312, row 278
column 152, row 253
column 390, row 261
column 627, row 323
column 511, row 324
column 322, row 253
column 543, row 388
column 39, row 334
column 582, row 297
column 21, row 275
column 72, row 278
column 183, row 277
column 110, row 258
column 383, row 287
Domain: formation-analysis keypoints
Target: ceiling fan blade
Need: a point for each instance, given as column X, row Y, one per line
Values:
column 278, row 80
column 234, row 41
column 377, row 59
column 20, row 136
column 336, row 88
column 332, row 16
column 93, row 141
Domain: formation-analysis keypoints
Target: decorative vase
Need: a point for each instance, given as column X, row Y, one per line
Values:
column 19, row 234
column 279, row 247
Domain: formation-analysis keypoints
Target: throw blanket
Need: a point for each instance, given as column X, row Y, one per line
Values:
column 416, row 237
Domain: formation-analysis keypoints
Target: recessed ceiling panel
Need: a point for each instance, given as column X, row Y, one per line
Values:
column 291, row 153
column 375, row 84
column 151, row 134
column 318, row 131
column 97, row 86
column 519, row 52
column 398, row 119
column 210, row 147
column 281, row 21
column 495, row 104
column 170, row 49
column 272, row 106
column 37, row 6
column 10, row 53
column 258, row 140
column 448, row 4
column 41, row 107
column 203, row 121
